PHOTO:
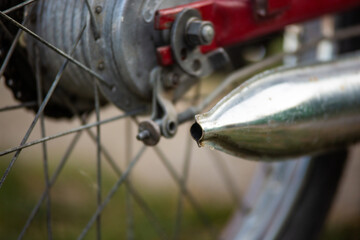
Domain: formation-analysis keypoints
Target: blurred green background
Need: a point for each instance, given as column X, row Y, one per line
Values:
column 74, row 194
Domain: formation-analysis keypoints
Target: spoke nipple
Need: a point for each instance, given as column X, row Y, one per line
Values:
column 10, row 82
column 98, row 9
column 143, row 135
column 101, row 65
column 18, row 95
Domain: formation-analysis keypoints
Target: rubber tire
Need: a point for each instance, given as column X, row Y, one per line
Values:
column 315, row 199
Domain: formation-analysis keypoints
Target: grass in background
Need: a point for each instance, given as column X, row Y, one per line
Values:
column 344, row 231
column 73, row 203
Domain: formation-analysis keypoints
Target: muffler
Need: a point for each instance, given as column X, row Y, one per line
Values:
column 286, row 113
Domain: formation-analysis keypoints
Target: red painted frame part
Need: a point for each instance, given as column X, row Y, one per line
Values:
column 236, row 21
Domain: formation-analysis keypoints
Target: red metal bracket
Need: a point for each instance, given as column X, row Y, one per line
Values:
column 236, row 21
column 270, row 8
column 164, row 56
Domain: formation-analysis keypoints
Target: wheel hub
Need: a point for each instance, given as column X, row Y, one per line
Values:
column 123, row 53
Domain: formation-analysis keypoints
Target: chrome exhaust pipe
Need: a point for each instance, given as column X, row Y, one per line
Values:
column 286, row 113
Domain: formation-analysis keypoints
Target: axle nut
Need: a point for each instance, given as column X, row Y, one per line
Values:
column 199, row 32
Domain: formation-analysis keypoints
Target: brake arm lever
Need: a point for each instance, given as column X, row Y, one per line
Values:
column 164, row 116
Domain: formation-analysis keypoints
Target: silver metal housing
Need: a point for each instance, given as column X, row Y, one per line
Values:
column 124, row 55
column 286, row 113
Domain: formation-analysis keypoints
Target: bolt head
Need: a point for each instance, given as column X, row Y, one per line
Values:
column 199, row 32
column 149, row 133
column 208, row 33
column 145, row 134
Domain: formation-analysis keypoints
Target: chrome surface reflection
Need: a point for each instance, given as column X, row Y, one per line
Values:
column 286, row 113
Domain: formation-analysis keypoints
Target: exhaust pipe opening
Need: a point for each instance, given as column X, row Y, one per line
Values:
column 196, row 132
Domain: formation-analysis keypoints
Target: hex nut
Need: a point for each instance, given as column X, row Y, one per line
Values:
column 199, row 32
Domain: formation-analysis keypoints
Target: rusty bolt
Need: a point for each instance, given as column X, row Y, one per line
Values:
column 149, row 133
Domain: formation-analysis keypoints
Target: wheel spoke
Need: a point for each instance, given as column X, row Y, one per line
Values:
column 52, row 181
column 227, row 179
column 185, row 170
column 41, row 109
column 20, row 5
column 6, row 32
column 44, row 145
column 131, row 190
column 128, row 200
column 129, row 187
column 203, row 217
column 131, row 195
column 114, row 189
column 57, row 50
column 12, row 47
column 94, row 25
column 74, row 130
column 98, row 162
column 185, row 174
column 19, row 106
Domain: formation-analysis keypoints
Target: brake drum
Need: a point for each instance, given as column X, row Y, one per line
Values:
column 120, row 47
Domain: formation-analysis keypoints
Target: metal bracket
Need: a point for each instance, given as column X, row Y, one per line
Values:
column 164, row 112
column 270, row 8
column 187, row 54
column 164, row 116
column 189, row 33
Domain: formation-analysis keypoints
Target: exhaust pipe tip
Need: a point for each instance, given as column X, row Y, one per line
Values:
column 197, row 133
